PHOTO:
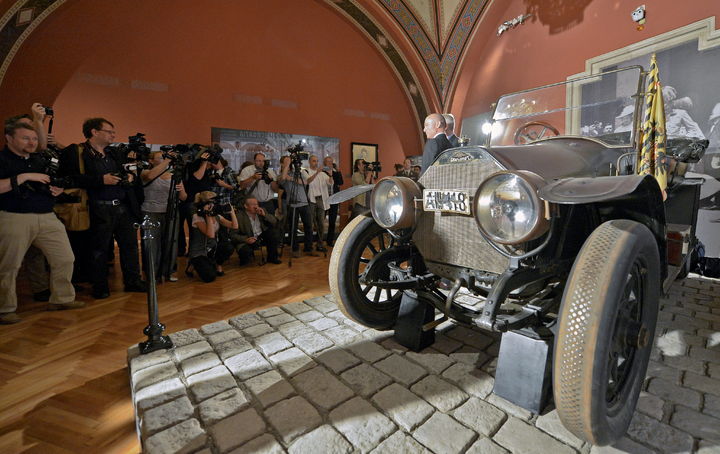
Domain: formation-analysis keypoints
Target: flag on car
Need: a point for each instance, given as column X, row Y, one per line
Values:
column 653, row 160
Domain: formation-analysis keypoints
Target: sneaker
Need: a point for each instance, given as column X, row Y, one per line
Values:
column 9, row 318
column 43, row 296
column 66, row 306
column 136, row 286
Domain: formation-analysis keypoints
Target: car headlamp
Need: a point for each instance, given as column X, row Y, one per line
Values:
column 508, row 209
column 392, row 202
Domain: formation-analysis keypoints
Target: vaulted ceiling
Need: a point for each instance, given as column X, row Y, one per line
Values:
column 423, row 40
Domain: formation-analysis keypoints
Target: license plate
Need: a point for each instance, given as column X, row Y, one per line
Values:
column 446, row 201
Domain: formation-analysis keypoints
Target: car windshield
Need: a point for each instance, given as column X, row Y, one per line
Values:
column 600, row 106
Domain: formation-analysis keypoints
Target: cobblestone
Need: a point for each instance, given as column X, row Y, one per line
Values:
column 480, row 416
column 322, row 388
column 221, row 406
column 441, row 433
column 361, row 424
column 293, row 417
column 365, row 379
column 273, row 383
column 405, row 408
column 322, row 439
column 269, row 388
column 402, row 370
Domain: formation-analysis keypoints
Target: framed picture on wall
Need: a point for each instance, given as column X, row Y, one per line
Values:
column 366, row 151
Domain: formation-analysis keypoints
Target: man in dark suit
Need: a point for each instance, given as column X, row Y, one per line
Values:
column 255, row 229
column 437, row 141
column 450, row 130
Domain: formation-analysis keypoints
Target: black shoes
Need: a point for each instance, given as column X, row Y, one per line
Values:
column 100, row 294
column 136, row 286
column 43, row 296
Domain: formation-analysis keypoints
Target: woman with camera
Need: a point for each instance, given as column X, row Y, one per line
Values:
column 157, row 181
column 206, row 255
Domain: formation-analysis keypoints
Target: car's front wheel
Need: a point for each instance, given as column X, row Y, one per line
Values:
column 606, row 326
column 360, row 241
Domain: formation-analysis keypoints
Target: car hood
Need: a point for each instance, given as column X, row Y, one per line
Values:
column 552, row 158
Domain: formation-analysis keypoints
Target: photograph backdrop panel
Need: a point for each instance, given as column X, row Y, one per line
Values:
column 689, row 64
column 240, row 145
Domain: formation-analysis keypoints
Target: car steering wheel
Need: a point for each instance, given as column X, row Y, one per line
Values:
column 533, row 131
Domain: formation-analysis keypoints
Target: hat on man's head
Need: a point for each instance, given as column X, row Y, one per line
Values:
column 204, row 197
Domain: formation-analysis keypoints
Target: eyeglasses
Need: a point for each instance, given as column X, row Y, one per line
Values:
column 107, row 131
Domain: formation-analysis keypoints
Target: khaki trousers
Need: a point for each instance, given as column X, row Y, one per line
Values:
column 18, row 231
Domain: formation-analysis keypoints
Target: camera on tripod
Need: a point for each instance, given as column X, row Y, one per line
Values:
column 179, row 155
column 297, row 155
column 135, row 149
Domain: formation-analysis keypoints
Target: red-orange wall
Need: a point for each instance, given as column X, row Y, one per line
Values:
column 530, row 55
column 208, row 52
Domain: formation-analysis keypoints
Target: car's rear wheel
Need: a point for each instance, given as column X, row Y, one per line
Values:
column 607, row 323
column 360, row 241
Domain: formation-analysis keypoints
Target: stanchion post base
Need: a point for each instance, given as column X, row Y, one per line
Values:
column 162, row 342
column 413, row 314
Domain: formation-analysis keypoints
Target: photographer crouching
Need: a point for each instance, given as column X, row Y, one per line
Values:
column 206, row 255
column 26, row 217
column 111, row 185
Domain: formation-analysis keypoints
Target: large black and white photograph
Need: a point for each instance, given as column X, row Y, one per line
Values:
column 240, row 145
column 691, row 93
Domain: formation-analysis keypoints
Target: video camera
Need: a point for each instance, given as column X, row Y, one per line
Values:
column 180, row 155
column 297, row 156
column 51, row 164
column 215, row 153
column 135, row 149
column 373, row 167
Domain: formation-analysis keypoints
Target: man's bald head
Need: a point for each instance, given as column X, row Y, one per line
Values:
column 450, row 124
column 434, row 124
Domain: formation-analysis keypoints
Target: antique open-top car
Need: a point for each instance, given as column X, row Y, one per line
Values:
column 550, row 223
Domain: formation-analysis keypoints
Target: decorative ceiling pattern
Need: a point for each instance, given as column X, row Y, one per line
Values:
column 439, row 30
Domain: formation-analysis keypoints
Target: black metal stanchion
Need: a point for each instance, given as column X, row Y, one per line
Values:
column 154, row 330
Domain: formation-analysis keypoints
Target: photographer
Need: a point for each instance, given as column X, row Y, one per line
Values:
column 319, row 182
column 157, row 181
column 294, row 187
column 206, row 255
column 26, row 217
column 337, row 181
column 198, row 180
column 256, row 228
column 362, row 174
column 259, row 182
column 114, row 208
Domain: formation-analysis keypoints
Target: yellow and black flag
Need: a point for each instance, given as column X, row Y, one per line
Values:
column 653, row 159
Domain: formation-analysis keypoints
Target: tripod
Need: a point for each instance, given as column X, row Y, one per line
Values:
column 170, row 227
column 294, row 203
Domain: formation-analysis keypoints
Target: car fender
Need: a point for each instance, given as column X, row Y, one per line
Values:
column 350, row 193
column 635, row 197
column 572, row 191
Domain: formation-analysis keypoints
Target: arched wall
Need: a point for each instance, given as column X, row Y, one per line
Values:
column 175, row 69
column 556, row 43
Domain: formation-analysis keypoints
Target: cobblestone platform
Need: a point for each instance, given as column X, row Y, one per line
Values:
column 302, row 378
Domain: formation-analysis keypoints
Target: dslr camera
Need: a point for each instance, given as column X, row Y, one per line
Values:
column 214, row 211
column 265, row 176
